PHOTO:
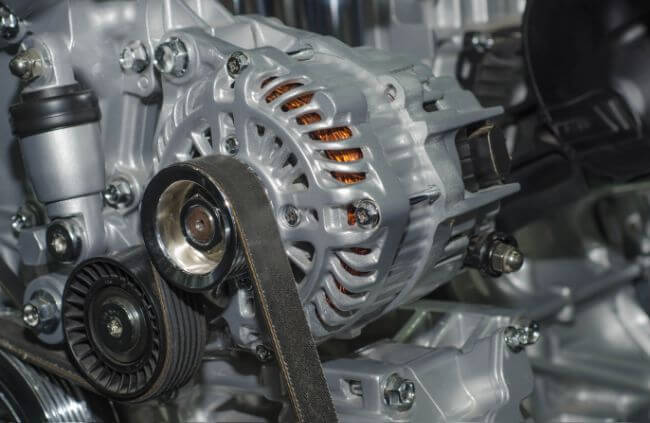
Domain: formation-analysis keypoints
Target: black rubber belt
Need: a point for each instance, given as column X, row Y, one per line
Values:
column 277, row 295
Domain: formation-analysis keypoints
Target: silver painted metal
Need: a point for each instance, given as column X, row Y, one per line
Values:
column 134, row 57
column 172, row 57
column 27, row 65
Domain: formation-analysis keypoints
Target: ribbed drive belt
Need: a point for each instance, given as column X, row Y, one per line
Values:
column 274, row 284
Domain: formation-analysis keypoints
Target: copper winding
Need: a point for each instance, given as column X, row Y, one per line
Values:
column 325, row 135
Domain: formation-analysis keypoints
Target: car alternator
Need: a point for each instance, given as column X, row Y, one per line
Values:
column 357, row 151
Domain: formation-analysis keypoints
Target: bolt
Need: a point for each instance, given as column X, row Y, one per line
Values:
column 9, row 25
column 263, row 354
column 237, row 62
column 232, row 145
column 399, row 393
column 171, row 57
column 118, row 194
column 27, row 65
column 292, row 215
column 518, row 338
column 482, row 42
column 63, row 240
column 366, row 214
column 30, row 315
column 505, row 258
column 19, row 222
column 115, row 328
column 134, row 57
column 41, row 312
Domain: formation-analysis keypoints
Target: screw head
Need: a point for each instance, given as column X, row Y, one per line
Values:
column 19, row 222
column 9, row 25
column 41, row 313
column 172, row 58
column 263, row 354
column 237, row 62
column 64, row 240
column 134, row 57
column 291, row 215
column 518, row 338
column 118, row 194
column 399, row 393
column 232, row 146
column 27, row 65
column 366, row 214
column 30, row 315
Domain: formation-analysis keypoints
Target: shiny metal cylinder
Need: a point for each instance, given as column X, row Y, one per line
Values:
column 65, row 163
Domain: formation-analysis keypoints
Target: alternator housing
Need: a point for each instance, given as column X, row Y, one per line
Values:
column 331, row 129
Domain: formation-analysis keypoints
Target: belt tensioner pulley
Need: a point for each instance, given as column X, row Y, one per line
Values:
column 128, row 332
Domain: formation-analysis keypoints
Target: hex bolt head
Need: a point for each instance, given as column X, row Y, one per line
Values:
column 19, row 222
column 9, row 24
column 118, row 194
column 41, row 313
column 232, row 146
column 399, row 393
column 134, row 57
column 518, row 338
column 263, row 354
column 291, row 215
column 366, row 214
column 64, row 240
column 30, row 315
column 172, row 58
column 27, row 65
column 505, row 258
column 237, row 62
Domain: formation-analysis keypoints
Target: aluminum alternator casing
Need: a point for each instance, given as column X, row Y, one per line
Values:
column 325, row 127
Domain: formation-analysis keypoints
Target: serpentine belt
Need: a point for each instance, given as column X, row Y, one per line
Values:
column 274, row 284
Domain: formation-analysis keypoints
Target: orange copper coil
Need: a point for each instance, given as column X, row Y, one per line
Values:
column 348, row 178
column 352, row 216
column 298, row 102
column 282, row 89
column 308, row 119
column 352, row 271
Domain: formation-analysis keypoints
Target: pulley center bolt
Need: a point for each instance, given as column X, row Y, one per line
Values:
column 399, row 393
column 115, row 328
column 59, row 244
column 366, row 214
column 201, row 224
column 171, row 57
column 237, row 62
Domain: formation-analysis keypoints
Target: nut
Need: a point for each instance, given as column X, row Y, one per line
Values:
column 518, row 338
column 399, row 393
column 134, row 57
